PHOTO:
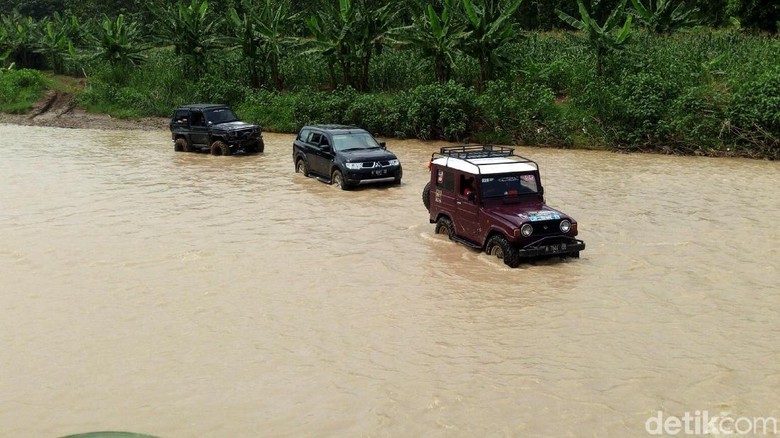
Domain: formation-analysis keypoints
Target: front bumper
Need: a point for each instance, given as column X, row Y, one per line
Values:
column 552, row 245
column 240, row 143
column 371, row 176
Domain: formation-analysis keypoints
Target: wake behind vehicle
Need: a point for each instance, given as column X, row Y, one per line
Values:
column 345, row 156
column 215, row 129
column 490, row 199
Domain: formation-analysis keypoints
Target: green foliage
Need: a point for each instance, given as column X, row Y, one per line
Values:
column 191, row 30
column 490, row 27
column 437, row 111
column 755, row 114
column 438, row 35
column 665, row 16
column 523, row 113
column 602, row 39
column 119, row 44
column 19, row 89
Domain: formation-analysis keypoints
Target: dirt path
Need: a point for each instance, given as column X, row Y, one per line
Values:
column 58, row 109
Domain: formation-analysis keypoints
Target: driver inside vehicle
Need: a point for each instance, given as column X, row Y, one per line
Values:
column 467, row 187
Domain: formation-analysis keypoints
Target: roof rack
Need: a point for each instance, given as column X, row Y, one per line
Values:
column 469, row 153
column 476, row 151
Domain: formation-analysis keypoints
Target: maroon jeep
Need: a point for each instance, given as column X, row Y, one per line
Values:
column 486, row 197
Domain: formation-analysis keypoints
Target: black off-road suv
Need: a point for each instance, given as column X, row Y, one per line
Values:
column 490, row 199
column 213, row 128
column 345, row 156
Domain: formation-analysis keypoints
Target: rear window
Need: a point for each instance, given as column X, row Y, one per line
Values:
column 445, row 180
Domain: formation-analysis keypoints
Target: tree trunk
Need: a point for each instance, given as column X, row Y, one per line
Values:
column 275, row 73
column 364, row 75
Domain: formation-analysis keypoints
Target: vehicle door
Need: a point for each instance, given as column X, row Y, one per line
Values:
column 321, row 154
column 199, row 129
column 467, row 207
column 444, row 195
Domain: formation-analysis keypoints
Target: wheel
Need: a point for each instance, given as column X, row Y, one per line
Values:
column 337, row 179
column 444, row 226
column 426, row 196
column 219, row 147
column 574, row 255
column 498, row 246
column 181, row 145
column 257, row 148
column 301, row 167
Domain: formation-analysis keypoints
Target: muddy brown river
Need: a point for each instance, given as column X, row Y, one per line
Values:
column 185, row 295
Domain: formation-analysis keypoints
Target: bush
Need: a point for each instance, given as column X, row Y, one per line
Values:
column 523, row 113
column 437, row 111
column 19, row 89
column 755, row 114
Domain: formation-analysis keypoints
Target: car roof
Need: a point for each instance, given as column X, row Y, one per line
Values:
column 486, row 166
column 482, row 159
column 202, row 106
column 336, row 129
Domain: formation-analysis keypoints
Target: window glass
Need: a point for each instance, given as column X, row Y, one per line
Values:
column 304, row 135
column 354, row 141
column 445, row 180
column 315, row 138
column 221, row 115
column 508, row 185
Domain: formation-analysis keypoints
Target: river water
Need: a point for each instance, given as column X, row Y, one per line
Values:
column 184, row 295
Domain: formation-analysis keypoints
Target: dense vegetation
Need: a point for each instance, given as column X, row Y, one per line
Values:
column 643, row 75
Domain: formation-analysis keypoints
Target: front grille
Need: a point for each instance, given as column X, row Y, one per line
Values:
column 372, row 164
column 546, row 228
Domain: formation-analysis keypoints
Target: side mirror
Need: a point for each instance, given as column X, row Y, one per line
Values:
column 472, row 197
column 383, row 145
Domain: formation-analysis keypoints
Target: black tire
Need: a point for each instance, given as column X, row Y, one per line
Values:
column 426, row 196
column 444, row 226
column 219, row 147
column 260, row 147
column 337, row 179
column 181, row 145
column 301, row 167
column 500, row 247
column 574, row 255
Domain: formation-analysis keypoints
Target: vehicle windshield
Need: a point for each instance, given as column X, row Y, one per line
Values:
column 354, row 141
column 221, row 115
column 497, row 186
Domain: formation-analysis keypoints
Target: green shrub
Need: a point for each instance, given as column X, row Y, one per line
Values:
column 19, row 89
column 755, row 113
column 523, row 113
column 437, row 111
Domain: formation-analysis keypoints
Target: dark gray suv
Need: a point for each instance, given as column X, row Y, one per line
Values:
column 213, row 128
column 345, row 156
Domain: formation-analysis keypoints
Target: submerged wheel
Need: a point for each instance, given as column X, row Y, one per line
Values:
column 498, row 246
column 444, row 226
column 337, row 179
column 219, row 147
column 181, row 145
column 260, row 146
column 301, row 167
column 426, row 196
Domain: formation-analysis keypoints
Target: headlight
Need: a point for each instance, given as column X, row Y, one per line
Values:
column 394, row 162
column 565, row 225
column 354, row 166
column 526, row 230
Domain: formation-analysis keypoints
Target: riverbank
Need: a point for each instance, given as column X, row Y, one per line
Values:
column 58, row 109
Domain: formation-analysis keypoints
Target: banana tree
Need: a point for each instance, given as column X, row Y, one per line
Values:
column 490, row 28
column 333, row 28
column 247, row 38
column 191, row 30
column 273, row 27
column 665, row 16
column 53, row 43
column 21, row 40
column 372, row 27
column 602, row 39
column 120, row 44
column 439, row 35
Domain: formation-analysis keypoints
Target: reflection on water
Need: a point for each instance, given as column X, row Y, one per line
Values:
column 188, row 295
